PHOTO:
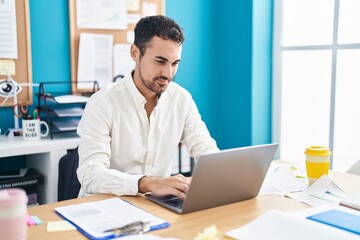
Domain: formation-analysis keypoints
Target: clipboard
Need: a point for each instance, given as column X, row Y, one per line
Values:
column 107, row 214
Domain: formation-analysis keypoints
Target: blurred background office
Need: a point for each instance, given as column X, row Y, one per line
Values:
column 260, row 70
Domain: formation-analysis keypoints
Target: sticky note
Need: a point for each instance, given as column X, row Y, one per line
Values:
column 58, row 226
column 36, row 220
column 30, row 221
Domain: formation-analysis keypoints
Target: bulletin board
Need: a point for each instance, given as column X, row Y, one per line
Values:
column 22, row 72
column 119, row 36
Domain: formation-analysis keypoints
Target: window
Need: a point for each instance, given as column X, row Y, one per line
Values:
column 316, row 93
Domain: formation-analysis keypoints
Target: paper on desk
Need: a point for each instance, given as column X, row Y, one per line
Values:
column 144, row 237
column 93, row 218
column 323, row 191
column 59, row 226
column 279, row 225
column 280, row 180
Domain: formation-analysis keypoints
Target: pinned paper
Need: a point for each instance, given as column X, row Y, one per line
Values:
column 59, row 226
column 9, row 65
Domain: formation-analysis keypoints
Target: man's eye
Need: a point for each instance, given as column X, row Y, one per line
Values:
column 160, row 61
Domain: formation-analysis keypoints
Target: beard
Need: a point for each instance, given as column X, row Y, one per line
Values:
column 157, row 84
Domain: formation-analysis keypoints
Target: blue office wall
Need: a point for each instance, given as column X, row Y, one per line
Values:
column 226, row 62
column 195, row 73
column 232, row 43
column 261, row 71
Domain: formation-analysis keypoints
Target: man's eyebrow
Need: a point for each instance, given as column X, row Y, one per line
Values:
column 165, row 59
column 161, row 58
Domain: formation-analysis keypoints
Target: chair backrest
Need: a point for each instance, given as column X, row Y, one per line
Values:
column 355, row 168
column 68, row 183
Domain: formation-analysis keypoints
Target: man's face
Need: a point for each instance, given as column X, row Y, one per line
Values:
column 158, row 66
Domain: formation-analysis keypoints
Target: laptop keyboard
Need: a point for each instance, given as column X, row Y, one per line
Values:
column 175, row 202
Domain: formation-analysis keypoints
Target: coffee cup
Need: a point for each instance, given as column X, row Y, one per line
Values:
column 317, row 162
column 32, row 129
column 13, row 212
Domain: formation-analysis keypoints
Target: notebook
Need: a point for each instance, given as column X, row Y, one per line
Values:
column 221, row 178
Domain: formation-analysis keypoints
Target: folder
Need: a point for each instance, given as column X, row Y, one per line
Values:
column 93, row 218
column 339, row 219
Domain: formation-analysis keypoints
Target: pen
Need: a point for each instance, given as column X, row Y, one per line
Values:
column 137, row 227
column 35, row 114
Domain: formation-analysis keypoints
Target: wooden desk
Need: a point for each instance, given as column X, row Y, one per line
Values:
column 187, row 226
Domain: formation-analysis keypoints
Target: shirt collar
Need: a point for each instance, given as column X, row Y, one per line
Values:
column 138, row 98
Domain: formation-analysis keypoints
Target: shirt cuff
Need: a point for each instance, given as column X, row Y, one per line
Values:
column 131, row 184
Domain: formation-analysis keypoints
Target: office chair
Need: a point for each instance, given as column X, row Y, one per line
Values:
column 68, row 183
column 355, row 168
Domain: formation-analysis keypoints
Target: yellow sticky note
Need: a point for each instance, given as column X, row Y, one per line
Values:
column 58, row 226
column 9, row 65
column 133, row 5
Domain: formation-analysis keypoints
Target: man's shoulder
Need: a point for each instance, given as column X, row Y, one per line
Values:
column 111, row 88
column 175, row 89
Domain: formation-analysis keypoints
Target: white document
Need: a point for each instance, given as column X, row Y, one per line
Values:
column 67, row 125
column 96, row 217
column 8, row 39
column 95, row 60
column 69, row 112
column 279, row 184
column 133, row 18
column 323, row 191
column 123, row 63
column 130, row 36
column 284, row 226
column 144, row 237
column 149, row 9
column 283, row 178
column 94, row 14
column 71, row 99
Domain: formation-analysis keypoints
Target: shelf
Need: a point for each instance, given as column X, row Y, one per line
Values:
column 62, row 111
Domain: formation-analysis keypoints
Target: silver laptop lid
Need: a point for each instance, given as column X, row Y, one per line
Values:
column 228, row 176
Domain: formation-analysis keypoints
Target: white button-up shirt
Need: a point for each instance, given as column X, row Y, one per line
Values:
column 119, row 144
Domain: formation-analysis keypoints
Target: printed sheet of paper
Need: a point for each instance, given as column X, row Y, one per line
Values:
column 96, row 217
column 149, row 9
column 8, row 39
column 123, row 63
column 95, row 60
column 94, row 14
column 275, row 224
column 323, row 191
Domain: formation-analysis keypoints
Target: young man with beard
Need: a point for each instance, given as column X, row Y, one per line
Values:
column 131, row 129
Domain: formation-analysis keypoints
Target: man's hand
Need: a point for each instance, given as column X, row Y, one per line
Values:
column 175, row 185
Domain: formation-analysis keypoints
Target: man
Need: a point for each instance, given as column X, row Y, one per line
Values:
column 131, row 129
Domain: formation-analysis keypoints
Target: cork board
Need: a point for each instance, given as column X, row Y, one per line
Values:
column 23, row 68
column 119, row 36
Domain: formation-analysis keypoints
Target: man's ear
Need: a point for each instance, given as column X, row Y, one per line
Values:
column 134, row 52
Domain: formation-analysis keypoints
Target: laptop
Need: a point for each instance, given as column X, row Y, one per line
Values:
column 221, row 178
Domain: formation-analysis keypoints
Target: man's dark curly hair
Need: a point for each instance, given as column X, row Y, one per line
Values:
column 159, row 26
